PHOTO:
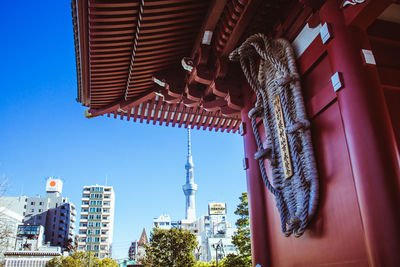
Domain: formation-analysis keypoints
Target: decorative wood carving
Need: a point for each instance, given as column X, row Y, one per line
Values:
column 351, row 2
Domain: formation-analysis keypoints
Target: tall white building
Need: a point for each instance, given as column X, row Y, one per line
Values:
column 97, row 220
column 190, row 188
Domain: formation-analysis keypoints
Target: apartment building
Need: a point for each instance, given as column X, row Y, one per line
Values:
column 97, row 220
column 54, row 212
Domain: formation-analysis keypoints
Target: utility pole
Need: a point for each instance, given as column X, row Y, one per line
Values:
column 217, row 246
column 89, row 259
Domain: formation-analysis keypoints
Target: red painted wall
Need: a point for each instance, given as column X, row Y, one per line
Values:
column 354, row 132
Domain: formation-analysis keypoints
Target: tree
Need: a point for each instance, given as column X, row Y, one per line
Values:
column 8, row 224
column 81, row 259
column 232, row 260
column 171, row 248
column 69, row 245
column 241, row 239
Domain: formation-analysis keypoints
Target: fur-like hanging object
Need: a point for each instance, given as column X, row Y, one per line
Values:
column 270, row 68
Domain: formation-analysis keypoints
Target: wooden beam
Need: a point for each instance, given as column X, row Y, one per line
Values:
column 122, row 104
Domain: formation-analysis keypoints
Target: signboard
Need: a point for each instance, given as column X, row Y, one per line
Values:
column 283, row 141
column 54, row 185
column 216, row 208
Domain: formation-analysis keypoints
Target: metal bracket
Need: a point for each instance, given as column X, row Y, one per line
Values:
column 368, row 57
column 207, row 36
column 337, row 81
column 245, row 163
column 242, row 129
column 325, row 33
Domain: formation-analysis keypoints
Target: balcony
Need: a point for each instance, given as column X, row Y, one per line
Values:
column 73, row 219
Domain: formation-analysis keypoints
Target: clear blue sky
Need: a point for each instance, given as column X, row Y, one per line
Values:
column 43, row 132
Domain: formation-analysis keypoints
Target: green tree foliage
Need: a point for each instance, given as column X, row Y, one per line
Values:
column 171, row 248
column 206, row 264
column 232, row 260
column 242, row 238
column 69, row 245
column 81, row 259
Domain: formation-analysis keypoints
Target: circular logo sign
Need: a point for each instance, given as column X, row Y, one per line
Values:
column 53, row 183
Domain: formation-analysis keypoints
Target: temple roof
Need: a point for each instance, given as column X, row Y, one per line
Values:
column 163, row 61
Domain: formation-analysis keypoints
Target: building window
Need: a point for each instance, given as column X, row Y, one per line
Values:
column 40, row 203
column 88, row 247
column 98, row 209
column 40, row 210
column 32, row 210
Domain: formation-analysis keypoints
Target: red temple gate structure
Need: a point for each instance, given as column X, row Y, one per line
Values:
column 167, row 62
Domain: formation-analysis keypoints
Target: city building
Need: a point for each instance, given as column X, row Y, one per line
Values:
column 29, row 249
column 162, row 222
column 214, row 229
column 9, row 221
column 54, row 212
column 29, row 237
column 97, row 220
column 37, row 258
column 137, row 250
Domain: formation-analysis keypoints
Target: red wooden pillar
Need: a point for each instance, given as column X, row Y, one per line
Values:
column 369, row 138
column 256, row 191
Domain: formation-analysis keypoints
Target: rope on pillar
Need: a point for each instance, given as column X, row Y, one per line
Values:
column 270, row 68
